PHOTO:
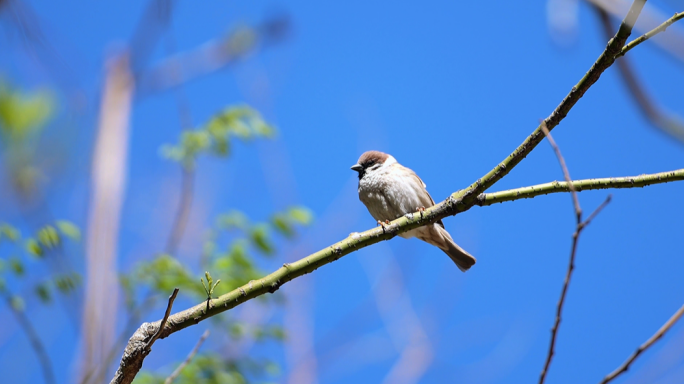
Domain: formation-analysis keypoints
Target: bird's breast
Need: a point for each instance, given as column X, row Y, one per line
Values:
column 386, row 197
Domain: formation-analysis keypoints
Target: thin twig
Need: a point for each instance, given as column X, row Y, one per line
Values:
column 486, row 199
column 661, row 28
column 156, row 335
column 210, row 57
column 34, row 339
column 575, row 238
column 188, row 173
column 625, row 366
column 566, row 283
column 566, row 172
column 666, row 122
column 651, row 17
column 187, row 360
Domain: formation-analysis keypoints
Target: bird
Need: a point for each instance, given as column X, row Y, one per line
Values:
column 389, row 190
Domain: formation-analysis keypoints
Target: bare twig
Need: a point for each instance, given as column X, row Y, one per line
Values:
column 664, row 121
column 34, row 339
column 671, row 43
column 566, row 172
column 188, row 174
column 187, row 360
column 575, row 238
column 209, row 57
column 661, row 28
column 156, row 335
column 149, row 30
column 625, row 366
column 486, row 199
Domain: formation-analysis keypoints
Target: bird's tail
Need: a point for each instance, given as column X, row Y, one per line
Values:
column 460, row 257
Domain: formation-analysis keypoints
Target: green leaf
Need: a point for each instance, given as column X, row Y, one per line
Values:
column 8, row 232
column 164, row 273
column 300, row 215
column 67, row 283
column 17, row 303
column 16, row 266
column 282, row 224
column 259, row 237
column 49, row 237
column 43, row 292
column 34, row 248
column 278, row 333
column 23, row 115
column 232, row 220
column 69, row 229
column 236, row 330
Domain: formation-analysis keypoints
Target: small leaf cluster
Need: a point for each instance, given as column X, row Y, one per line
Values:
column 234, row 262
column 22, row 115
column 214, row 138
column 212, row 368
column 229, row 252
column 14, row 264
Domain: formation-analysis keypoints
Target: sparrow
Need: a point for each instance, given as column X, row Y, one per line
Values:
column 389, row 190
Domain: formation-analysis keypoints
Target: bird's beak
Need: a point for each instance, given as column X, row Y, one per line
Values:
column 357, row 167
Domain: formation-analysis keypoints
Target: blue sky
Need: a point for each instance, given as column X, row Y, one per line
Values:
column 450, row 90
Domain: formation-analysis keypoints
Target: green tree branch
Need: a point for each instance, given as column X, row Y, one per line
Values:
column 486, row 199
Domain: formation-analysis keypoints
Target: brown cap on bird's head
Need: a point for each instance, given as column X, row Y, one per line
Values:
column 368, row 159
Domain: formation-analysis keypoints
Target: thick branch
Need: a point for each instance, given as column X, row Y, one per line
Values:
column 580, row 185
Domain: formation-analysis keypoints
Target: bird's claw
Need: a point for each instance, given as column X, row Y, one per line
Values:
column 421, row 210
column 382, row 224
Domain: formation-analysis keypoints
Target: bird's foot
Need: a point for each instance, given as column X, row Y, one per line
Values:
column 421, row 210
column 382, row 224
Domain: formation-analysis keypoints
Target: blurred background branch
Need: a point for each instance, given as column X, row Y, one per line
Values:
column 109, row 174
column 667, row 122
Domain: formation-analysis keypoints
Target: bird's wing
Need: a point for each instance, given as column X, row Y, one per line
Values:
column 429, row 202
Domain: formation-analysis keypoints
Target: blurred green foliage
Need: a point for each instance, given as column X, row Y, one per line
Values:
column 230, row 251
column 13, row 264
column 214, row 137
column 23, row 117
column 210, row 368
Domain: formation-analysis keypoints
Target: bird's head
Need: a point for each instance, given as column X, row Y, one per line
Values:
column 371, row 162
